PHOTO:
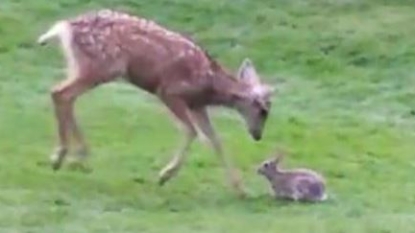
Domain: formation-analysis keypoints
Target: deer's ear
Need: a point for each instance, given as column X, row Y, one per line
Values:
column 247, row 72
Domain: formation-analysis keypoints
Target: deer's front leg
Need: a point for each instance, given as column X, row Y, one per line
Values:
column 181, row 111
column 201, row 118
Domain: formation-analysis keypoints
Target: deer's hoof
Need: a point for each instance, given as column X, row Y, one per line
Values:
column 167, row 173
column 57, row 158
column 241, row 194
column 163, row 180
column 56, row 165
column 239, row 189
column 56, row 162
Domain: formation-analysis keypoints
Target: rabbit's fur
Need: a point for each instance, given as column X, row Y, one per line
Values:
column 299, row 184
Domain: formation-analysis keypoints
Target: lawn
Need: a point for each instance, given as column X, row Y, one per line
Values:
column 345, row 106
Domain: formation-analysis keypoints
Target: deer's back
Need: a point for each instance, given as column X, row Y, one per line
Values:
column 146, row 53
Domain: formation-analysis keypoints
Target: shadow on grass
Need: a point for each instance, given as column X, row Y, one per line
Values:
column 145, row 194
column 69, row 165
column 179, row 203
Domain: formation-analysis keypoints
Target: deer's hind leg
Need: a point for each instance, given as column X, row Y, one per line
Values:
column 64, row 95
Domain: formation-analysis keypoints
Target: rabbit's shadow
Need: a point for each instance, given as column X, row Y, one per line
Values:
column 269, row 200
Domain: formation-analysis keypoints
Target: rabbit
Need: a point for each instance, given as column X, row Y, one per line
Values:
column 299, row 184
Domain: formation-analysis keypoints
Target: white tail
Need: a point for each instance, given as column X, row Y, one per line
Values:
column 60, row 29
column 324, row 197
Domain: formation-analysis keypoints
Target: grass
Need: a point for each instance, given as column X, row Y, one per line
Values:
column 344, row 71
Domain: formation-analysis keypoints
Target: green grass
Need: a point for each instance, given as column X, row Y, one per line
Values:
column 345, row 74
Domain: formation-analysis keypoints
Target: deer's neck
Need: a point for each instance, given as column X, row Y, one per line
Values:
column 227, row 91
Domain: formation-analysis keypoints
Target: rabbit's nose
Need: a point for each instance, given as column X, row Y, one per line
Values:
column 260, row 170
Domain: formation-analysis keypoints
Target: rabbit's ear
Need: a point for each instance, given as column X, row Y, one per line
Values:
column 276, row 161
column 279, row 157
column 280, row 154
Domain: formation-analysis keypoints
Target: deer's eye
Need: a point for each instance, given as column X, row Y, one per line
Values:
column 263, row 107
column 264, row 112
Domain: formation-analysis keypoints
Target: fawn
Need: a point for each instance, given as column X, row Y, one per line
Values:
column 101, row 45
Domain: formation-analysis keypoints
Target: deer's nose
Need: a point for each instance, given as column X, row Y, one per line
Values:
column 256, row 135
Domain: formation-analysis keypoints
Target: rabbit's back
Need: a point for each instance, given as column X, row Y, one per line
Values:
column 300, row 184
column 310, row 188
column 305, row 172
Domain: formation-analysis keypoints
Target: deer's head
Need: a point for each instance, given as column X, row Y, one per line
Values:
column 254, row 103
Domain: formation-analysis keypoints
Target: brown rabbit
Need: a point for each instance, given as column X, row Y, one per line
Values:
column 299, row 184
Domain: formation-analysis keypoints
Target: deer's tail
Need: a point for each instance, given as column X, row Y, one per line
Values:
column 60, row 29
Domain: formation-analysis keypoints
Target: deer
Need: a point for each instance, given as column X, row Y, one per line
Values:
column 100, row 46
